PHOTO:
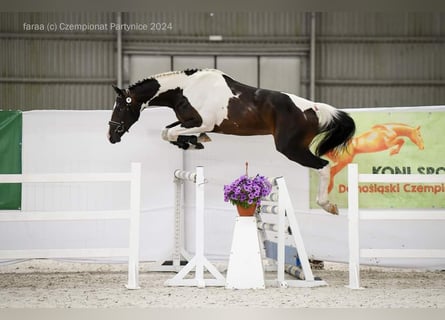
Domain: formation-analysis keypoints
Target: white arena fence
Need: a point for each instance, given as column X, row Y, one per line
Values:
column 354, row 217
column 132, row 214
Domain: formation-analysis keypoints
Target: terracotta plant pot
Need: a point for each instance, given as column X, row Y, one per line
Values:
column 246, row 212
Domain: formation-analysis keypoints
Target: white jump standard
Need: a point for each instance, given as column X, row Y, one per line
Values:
column 281, row 206
column 199, row 261
column 354, row 217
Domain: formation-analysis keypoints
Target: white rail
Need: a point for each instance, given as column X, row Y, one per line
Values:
column 132, row 214
column 354, row 217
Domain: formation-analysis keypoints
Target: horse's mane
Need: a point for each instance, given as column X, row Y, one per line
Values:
column 160, row 75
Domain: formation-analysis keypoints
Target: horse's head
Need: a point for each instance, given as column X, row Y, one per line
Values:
column 416, row 137
column 126, row 112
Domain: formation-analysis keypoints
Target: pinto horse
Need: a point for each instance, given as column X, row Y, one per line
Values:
column 210, row 101
column 379, row 138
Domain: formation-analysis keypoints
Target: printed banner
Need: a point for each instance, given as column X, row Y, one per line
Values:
column 391, row 142
column 10, row 157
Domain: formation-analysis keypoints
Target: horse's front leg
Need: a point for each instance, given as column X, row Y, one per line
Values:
column 185, row 137
column 341, row 161
column 305, row 157
column 324, row 175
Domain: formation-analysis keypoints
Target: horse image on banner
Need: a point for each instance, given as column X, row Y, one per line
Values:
column 390, row 141
column 388, row 136
column 210, row 101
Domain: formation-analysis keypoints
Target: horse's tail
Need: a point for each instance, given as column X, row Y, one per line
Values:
column 336, row 128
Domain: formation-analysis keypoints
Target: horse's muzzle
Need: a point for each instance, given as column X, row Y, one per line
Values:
column 113, row 137
column 114, row 140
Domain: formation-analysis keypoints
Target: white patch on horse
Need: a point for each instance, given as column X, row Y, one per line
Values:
column 170, row 81
column 325, row 112
column 206, row 90
column 208, row 93
column 299, row 102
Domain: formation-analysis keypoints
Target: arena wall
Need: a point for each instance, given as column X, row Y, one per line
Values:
column 75, row 141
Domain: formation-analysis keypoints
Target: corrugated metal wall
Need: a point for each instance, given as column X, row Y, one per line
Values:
column 231, row 24
column 55, row 70
column 381, row 59
column 362, row 59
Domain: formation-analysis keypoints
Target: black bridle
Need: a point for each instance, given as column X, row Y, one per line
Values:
column 118, row 126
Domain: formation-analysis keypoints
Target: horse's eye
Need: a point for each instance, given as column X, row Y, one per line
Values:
column 128, row 100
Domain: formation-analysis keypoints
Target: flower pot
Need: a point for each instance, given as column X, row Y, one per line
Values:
column 246, row 212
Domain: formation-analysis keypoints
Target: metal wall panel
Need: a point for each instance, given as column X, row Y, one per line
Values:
column 14, row 22
column 38, row 96
column 242, row 69
column 381, row 96
column 381, row 61
column 367, row 51
column 56, row 58
column 60, row 69
column 224, row 23
column 141, row 67
column 280, row 73
column 191, row 62
column 381, row 24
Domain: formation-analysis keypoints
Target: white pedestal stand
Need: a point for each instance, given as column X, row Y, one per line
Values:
column 245, row 269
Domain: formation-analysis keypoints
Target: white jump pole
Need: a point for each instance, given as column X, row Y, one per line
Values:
column 135, row 207
column 353, row 227
column 199, row 230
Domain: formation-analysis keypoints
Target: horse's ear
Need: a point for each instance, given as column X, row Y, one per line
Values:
column 119, row 92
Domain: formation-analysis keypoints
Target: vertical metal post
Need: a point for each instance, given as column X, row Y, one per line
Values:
column 119, row 50
column 312, row 59
column 353, row 227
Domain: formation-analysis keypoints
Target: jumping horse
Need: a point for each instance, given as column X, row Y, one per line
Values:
column 210, row 101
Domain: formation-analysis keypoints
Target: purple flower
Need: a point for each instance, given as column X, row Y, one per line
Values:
column 245, row 191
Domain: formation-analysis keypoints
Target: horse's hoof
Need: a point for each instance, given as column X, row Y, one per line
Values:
column 333, row 209
column 203, row 137
column 329, row 207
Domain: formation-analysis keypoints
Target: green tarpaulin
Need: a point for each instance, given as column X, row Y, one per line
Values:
column 10, row 157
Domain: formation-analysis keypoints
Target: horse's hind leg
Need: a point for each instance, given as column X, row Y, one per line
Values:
column 306, row 158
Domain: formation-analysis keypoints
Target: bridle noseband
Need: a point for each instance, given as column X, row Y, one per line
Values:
column 119, row 126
